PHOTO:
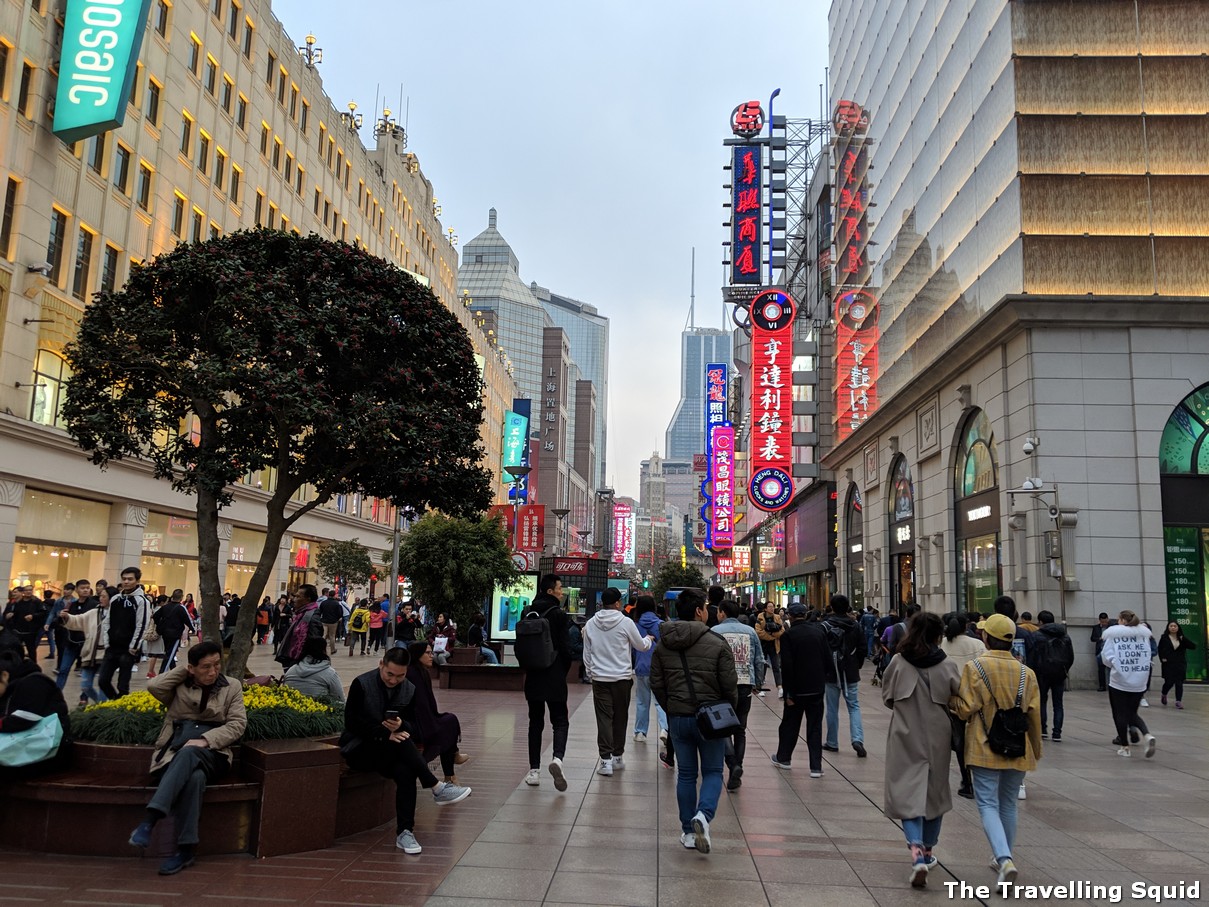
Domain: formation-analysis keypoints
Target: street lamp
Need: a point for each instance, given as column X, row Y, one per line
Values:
column 561, row 513
column 607, row 494
column 583, row 539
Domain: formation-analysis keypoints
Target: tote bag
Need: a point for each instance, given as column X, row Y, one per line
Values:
column 34, row 744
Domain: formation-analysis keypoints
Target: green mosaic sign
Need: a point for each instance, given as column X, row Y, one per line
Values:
column 1187, row 589
column 101, row 41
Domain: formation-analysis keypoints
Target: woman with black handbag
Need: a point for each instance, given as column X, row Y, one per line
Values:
column 693, row 678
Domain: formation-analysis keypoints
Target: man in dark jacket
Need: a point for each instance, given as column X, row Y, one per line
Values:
column 170, row 621
column 1097, row 638
column 376, row 739
column 849, row 657
column 547, row 688
column 82, row 600
column 804, row 658
column 1050, row 658
column 129, row 613
column 330, row 615
column 26, row 619
column 711, row 672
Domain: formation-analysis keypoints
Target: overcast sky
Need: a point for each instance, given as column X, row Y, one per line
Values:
column 595, row 130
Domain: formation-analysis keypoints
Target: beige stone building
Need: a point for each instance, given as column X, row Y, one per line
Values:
column 1036, row 236
column 227, row 127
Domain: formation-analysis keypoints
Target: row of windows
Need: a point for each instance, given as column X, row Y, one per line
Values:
column 56, row 251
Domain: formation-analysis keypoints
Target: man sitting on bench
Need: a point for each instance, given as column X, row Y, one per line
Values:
column 206, row 718
column 375, row 739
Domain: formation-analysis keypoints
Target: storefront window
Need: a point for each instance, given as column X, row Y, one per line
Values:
column 302, row 563
column 169, row 560
column 976, row 519
column 60, row 539
column 50, row 382
column 52, row 566
column 854, row 524
column 901, row 544
column 242, row 556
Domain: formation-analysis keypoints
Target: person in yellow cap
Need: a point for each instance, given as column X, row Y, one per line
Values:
column 1000, row 699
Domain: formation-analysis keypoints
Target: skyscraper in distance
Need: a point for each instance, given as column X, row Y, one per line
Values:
column 698, row 348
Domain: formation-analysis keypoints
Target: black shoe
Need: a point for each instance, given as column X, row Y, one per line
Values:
column 1057, row 736
column 831, row 749
column 1101, row 689
column 1044, row 734
column 860, row 750
column 1135, row 736
column 967, row 792
column 735, row 780
column 1116, row 741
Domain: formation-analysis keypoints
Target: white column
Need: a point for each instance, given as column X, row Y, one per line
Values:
column 125, row 548
column 12, row 493
column 281, row 569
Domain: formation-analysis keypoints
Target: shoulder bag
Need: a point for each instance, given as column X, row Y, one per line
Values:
column 34, row 744
column 715, row 720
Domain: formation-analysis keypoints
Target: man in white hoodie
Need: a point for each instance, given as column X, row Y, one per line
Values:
column 608, row 638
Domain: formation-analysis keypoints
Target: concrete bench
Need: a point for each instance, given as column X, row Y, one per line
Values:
column 482, row 677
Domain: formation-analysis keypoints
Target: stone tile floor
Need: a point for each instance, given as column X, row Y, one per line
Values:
column 783, row 839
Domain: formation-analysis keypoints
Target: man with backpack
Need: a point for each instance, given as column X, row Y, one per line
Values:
column 1000, row 700
column 542, row 648
column 1051, row 659
column 845, row 639
column 806, row 655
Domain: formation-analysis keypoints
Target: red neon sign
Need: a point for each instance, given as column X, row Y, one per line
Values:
column 856, row 314
column 723, row 448
column 772, row 313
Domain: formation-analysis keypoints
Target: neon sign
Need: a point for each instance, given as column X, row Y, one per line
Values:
column 747, row 120
column 772, row 313
column 716, row 385
column 623, row 533
column 723, row 445
column 857, row 334
column 746, row 216
column 101, row 42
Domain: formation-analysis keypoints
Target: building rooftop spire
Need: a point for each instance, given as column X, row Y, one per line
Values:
column 491, row 217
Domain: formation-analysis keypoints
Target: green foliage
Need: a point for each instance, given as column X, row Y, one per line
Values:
column 140, row 724
column 266, row 349
column 350, row 561
column 671, row 575
column 454, row 564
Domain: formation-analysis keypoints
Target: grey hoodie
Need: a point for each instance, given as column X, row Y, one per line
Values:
column 315, row 679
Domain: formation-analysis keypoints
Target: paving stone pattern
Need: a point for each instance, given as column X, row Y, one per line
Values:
column 782, row 839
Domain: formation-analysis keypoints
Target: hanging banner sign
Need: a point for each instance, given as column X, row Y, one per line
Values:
column 623, row 533
column 533, row 527
column 101, row 43
column 771, row 487
column 723, row 525
column 746, row 215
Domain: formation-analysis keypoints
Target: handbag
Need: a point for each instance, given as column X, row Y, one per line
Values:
column 34, row 744
column 151, row 634
column 439, row 645
column 715, row 720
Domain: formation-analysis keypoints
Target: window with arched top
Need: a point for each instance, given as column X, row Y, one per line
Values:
column 977, row 465
column 901, row 501
column 854, row 546
column 51, row 373
column 1182, row 449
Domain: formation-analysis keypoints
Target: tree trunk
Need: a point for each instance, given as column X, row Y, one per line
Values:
column 241, row 645
column 209, row 587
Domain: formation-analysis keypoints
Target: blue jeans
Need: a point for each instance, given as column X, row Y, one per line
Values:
column 995, row 792
column 854, row 713
column 67, row 659
column 642, row 705
column 925, row 832
column 688, row 744
column 489, row 656
column 869, row 644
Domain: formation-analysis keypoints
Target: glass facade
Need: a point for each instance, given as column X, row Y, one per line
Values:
column 686, row 431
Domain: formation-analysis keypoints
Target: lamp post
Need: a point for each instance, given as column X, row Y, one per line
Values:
column 607, row 494
column 517, row 473
column 583, row 539
column 561, row 513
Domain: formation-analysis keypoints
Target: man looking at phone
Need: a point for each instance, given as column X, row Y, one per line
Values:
column 376, row 739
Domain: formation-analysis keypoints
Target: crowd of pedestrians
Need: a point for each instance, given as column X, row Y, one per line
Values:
column 985, row 688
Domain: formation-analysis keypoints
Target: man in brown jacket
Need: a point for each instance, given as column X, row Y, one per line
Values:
column 710, row 663
column 205, row 719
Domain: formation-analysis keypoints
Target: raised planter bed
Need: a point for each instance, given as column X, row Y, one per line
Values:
column 482, row 677
column 256, row 808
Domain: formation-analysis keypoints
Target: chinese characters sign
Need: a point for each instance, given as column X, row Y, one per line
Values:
column 851, row 215
column 716, row 388
column 742, row 556
column 623, row 533
column 747, row 120
column 746, row 215
column 856, row 359
column 101, row 41
column 772, row 313
column 723, row 447
column 532, row 535
column 516, row 439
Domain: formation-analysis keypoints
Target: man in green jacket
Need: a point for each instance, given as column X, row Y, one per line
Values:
column 687, row 642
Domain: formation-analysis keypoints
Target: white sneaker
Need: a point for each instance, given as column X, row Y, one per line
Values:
column 556, row 770
column 1124, row 751
column 618, row 763
column 1144, row 704
column 1007, row 872
column 1150, row 742
column 780, row 692
column 534, row 778
column 407, row 842
column 1021, row 794
column 701, row 832
column 761, row 694
column 605, row 768
column 689, row 840
column 640, row 737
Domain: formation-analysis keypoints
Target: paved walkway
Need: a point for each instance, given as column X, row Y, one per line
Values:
column 783, row 839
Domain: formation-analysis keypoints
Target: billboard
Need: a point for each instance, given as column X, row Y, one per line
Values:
column 508, row 604
column 532, row 536
column 856, row 334
column 516, row 447
column 746, row 214
column 723, row 486
column 101, row 42
column 623, row 533
column 716, row 394
column 771, row 486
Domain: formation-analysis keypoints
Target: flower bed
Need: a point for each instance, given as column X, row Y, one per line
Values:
column 273, row 713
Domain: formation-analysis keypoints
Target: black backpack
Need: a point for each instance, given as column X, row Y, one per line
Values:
column 837, row 642
column 534, row 645
column 1009, row 727
column 1052, row 655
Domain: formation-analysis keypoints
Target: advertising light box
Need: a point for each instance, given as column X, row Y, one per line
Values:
column 508, row 604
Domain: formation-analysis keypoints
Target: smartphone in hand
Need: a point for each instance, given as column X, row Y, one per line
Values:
column 391, row 715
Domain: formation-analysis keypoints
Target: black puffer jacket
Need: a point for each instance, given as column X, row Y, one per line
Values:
column 804, row 659
column 854, row 649
column 710, row 661
column 550, row 685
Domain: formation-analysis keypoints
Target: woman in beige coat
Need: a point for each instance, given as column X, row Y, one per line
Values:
column 917, row 685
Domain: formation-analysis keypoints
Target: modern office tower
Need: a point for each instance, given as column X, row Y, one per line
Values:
column 227, row 127
column 1019, row 234
column 686, row 431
